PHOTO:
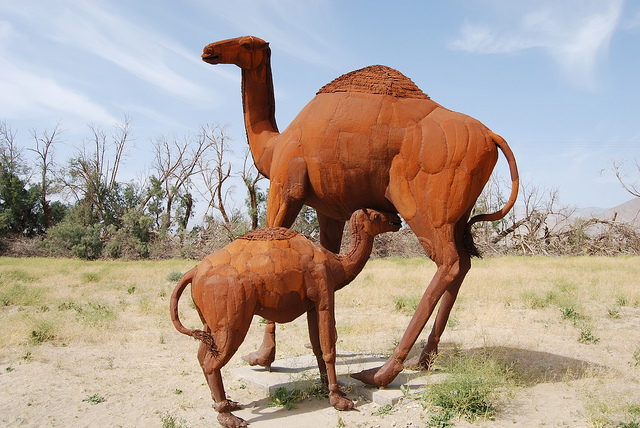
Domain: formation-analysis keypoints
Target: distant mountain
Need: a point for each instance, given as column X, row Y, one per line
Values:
column 629, row 212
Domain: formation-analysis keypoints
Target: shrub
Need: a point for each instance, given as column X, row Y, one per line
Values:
column 470, row 391
column 42, row 332
column 283, row 397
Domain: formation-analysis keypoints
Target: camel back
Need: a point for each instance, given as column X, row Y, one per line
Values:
column 375, row 79
column 269, row 234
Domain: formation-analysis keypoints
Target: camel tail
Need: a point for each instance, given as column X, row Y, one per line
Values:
column 515, row 183
column 202, row 336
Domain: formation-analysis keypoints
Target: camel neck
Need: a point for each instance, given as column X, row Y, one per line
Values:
column 356, row 257
column 259, row 108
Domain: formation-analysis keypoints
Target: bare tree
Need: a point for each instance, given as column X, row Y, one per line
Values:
column 44, row 149
column 632, row 188
column 11, row 158
column 175, row 163
column 215, row 172
column 92, row 174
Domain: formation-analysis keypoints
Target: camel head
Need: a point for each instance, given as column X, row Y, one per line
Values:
column 375, row 222
column 246, row 52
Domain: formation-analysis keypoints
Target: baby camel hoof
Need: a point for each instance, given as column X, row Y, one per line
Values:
column 339, row 402
column 258, row 358
column 229, row 420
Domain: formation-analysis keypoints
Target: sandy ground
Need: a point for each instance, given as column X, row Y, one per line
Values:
column 144, row 385
column 150, row 382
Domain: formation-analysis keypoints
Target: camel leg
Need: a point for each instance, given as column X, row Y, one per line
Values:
column 328, row 337
column 211, row 365
column 430, row 350
column 330, row 233
column 281, row 212
column 314, row 337
column 453, row 264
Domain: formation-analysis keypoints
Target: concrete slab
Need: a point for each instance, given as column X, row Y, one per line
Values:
column 301, row 372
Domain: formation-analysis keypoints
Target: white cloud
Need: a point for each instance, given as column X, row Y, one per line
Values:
column 278, row 22
column 26, row 93
column 575, row 35
column 135, row 49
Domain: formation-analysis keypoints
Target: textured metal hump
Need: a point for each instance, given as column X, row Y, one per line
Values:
column 375, row 79
column 269, row 234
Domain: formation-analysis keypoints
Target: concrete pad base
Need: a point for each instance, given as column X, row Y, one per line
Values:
column 302, row 372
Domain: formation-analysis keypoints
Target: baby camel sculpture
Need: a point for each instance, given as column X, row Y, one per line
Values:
column 278, row 274
column 372, row 138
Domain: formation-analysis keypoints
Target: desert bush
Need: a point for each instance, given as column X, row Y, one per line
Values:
column 471, row 390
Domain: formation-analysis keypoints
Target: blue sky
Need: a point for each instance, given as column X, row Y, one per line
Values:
column 557, row 79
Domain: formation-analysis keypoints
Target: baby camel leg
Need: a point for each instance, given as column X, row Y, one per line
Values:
column 328, row 337
column 211, row 365
column 314, row 337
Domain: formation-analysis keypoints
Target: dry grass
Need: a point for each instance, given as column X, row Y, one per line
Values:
column 531, row 312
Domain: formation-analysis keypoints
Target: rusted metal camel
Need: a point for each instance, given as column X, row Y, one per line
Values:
column 278, row 274
column 372, row 138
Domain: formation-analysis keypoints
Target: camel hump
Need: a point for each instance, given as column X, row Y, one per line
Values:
column 375, row 79
column 269, row 234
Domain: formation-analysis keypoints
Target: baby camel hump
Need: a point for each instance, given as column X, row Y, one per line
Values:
column 268, row 269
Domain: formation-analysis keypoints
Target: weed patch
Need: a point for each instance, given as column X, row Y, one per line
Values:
column 174, row 276
column 20, row 295
column 282, row 397
column 586, row 336
column 43, row 331
column 170, row 421
column 383, row 410
column 91, row 277
column 470, row 391
column 94, row 399
column 406, row 305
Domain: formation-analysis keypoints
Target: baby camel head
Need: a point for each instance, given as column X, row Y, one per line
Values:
column 246, row 52
column 375, row 222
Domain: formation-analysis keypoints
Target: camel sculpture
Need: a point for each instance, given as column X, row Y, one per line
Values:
column 371, row 138
column 278, row 274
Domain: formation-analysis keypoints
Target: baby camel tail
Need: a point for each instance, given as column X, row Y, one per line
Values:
column 200, row 335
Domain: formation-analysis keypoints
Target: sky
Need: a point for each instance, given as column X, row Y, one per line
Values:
column 557, row 79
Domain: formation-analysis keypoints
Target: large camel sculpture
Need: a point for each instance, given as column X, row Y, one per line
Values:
column 371, row 138
column 278, row 274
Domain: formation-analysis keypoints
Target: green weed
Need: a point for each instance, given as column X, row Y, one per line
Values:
column 174, row 276
column 131, row 289
column 570, row 313
column 470, row 391
column 441, row 419
column 613, row 312
column 283, row 397
column 42, row 332
column 91, row 277
column 383, row 410
column 17, row 275
column 95, row 313
column 586, row 336
column 20, row 295
column 170, row 421
column 636, row 357
column 95, row 399
column 406, row 305
column 621, row 301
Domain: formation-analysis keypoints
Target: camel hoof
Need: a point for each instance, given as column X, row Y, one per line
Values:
column 229, row 420
column 340, row 402
column 257, row 358
column 367, row 376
